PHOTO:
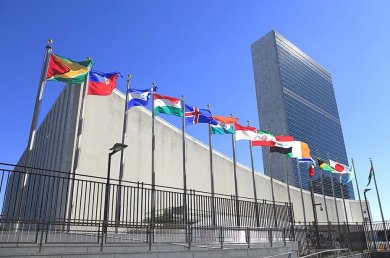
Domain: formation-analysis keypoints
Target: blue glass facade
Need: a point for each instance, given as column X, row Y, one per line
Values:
column 310, row 111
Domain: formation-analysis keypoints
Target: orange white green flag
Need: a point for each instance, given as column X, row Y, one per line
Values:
column 224, row 125
column 66, row 70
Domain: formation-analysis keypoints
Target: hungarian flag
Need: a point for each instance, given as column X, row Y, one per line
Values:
column 167, row 105
column 311, row 171
column 67, row 70
column 324, row 166
column 338, row 167
column 245, row 132
column 224, row 125
column 101, row 84
column 371, row 174
column 263, row 139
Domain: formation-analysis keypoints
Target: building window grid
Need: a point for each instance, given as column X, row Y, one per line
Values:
column 294, row 75
column 316, row 83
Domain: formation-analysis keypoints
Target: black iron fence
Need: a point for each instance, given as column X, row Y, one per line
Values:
column 41, row 207
column 45, row 206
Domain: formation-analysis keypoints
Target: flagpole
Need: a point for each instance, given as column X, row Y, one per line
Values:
column 79, row 131
column 335, row 202
column 371, row 232
column 326, row 206
column 153, row 196
column 34, row 122
column 122, row 160
column 380, row 206
column 235, row 180
column 38, row 101
column 314, row 212
column 254, row 184
column 303, row 203
column 345, row 208
column 211, row 174
column 272, row 188
column 184, row 163
column 290, row 211
column 357, row 188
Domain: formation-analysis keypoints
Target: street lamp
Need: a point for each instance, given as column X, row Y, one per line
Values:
column 116, row 148
column 369, row 216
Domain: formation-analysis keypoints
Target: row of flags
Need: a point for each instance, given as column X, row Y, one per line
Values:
column 100, row 83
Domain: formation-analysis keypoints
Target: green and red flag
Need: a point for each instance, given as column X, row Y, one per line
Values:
column 167, row 105
column 371, row 174
column 66, row 70
column 263, row 139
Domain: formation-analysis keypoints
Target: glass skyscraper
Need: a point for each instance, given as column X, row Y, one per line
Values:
column 295, row 97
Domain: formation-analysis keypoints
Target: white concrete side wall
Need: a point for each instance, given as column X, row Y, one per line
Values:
column 103, row 127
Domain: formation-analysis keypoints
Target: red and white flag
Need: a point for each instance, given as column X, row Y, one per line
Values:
column 340, row 168
column 245, row 132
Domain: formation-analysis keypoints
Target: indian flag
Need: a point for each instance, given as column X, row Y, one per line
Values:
column 224, row 125
column 167, row 105
column 66, row 70
column 222, row 129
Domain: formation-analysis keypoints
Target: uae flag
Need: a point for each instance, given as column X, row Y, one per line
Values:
column 338, row 167
column 167, row 105
column 245, row 132
column 263, row 139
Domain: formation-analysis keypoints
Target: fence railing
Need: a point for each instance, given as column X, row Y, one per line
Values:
column 41, row 206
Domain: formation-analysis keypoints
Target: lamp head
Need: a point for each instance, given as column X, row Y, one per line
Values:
column 118, row 147
column 366, row 190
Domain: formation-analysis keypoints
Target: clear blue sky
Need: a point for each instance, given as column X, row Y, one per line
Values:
column 202, row 49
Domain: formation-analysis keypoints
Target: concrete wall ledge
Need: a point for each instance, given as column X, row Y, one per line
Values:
column 126, row 251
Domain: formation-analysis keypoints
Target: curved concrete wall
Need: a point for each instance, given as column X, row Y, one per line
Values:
column 103, row 126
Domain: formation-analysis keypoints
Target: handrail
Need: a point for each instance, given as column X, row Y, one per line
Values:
column 325, row 251
column 352, row 255
column 277, row 255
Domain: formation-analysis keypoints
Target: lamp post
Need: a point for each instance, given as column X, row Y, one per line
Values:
column 369, row 216
column 116, row 148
